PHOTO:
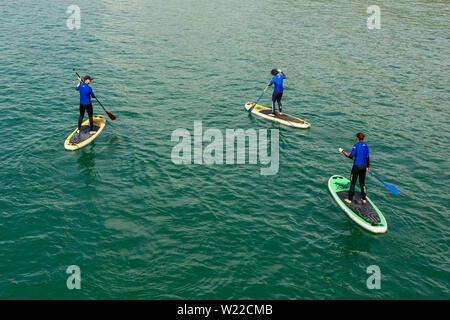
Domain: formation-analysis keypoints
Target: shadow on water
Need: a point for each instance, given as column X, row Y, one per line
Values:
column 111, row 144
column 353, row 240
column 86, row 160
column 357, row 241
column 293, row 130
column 113, row 140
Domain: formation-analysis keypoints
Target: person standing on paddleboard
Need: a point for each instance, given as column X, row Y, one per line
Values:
column 361, row 165
column 85, row 102
column 278, row 77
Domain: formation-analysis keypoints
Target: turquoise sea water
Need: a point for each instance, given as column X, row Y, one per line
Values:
column 141, row 227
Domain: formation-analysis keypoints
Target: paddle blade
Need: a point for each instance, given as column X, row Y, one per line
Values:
column 110, row 115
column 392, row 188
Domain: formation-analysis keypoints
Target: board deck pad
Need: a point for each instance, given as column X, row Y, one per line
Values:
column 366, row 211
column 84, row 134
column 283, row 116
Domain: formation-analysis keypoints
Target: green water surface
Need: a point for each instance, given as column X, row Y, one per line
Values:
column 141, row 227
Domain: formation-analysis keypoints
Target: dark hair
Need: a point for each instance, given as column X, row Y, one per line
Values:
column 274, row 72
column 360, row 136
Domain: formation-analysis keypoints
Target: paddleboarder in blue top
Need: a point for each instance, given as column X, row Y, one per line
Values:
column 361, row 165
column 85, row 102
column 277, row 80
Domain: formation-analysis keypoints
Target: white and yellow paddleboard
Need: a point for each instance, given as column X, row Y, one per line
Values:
column 284, row 118
column 76, row 141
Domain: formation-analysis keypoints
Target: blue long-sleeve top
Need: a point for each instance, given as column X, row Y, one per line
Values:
column 360, row 154
column 85, row 93
column 278, row 81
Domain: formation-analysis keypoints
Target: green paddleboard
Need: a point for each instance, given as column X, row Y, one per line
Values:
column 367, row 216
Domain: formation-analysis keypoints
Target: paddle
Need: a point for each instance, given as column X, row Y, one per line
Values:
column 251, row 108
column 390, row 187
column 110, row 115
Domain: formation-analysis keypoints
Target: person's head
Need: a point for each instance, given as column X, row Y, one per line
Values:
column 274, row 72
column 360, row 136
column 87, row 79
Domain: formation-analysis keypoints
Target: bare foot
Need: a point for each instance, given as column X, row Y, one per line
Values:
column 271, row 114
column 347, row 201
column 280, row 113
column 364, row 202
column 92, row 132
column 78, row 131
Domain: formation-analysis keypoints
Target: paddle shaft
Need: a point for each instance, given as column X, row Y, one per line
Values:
column 251, row 108
column 390, row 187
column 376, row 177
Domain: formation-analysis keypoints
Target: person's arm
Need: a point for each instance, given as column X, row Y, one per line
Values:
column 79, row 82
column 348, row 155
column 368, row 160
column 282, row 73
column 92, row 93
column 270, row 83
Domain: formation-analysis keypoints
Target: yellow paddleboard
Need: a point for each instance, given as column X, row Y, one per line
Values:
column 284, row 118
column 76, row 141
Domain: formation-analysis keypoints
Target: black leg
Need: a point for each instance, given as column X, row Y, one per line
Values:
column 362, row 182
column 80, row 119
column 353, row 178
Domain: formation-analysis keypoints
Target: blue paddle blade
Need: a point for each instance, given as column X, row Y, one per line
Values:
column 392, row 188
